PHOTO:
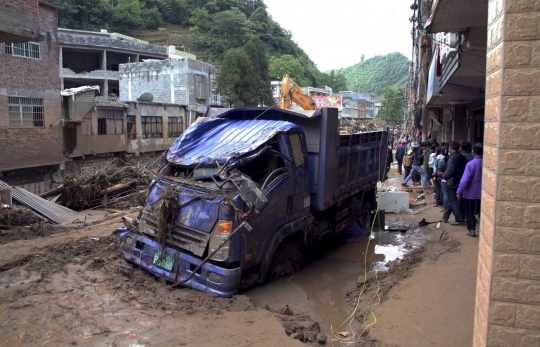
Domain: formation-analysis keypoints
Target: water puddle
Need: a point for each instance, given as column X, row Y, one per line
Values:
column 320, row 288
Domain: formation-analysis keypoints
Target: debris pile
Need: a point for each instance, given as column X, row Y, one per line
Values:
column 351, row 126
column 121, row 187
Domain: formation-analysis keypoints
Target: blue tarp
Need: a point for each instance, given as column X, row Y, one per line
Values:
column 220, row 139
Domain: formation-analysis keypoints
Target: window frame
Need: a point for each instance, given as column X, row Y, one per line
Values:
column 175, row 122
column 17, row 112
column 155, row 123
column 27, row 52
column 110, row 117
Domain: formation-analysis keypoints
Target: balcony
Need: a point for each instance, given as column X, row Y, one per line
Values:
column 90, row 75
column 458, row 15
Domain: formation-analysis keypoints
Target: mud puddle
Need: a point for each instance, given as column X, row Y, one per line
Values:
column 320, row 288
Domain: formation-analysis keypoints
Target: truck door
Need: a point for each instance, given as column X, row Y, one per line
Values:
column 276, row 180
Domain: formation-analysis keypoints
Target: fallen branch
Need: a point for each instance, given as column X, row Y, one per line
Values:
column 118, row 187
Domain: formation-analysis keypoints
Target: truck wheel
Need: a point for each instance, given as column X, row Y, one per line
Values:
column 287, row 259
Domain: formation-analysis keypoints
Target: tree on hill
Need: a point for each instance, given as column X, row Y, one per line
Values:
column 374, row 74
column 392, row 104
column 244, row 76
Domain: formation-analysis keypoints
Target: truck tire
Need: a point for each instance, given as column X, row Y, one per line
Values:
column 287, row 259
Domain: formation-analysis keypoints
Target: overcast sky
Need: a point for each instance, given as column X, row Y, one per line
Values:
column 335, row 33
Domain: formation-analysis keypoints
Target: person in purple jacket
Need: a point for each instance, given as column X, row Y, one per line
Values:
column 470, row 188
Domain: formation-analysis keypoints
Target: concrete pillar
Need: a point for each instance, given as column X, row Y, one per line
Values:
column 105, row 91
column 103, row 60
column 137, row 58
column 61, row 65
column 508, row 281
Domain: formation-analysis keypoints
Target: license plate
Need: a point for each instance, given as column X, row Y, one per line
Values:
column 166, row 262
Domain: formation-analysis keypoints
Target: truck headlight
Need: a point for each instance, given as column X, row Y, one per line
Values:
column 219, row 236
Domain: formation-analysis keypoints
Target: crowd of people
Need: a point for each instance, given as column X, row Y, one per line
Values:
column 455, row 171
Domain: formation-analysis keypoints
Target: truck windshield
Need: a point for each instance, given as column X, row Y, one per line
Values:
column 262, row 169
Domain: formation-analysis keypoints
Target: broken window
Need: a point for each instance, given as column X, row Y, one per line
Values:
column 298, row 152
column 23, row 49
column 266, row 168
column 110, row 122
column 175, row 126
column 25, row 112
column 151, row 127
column 131, row 127
column 200, row 87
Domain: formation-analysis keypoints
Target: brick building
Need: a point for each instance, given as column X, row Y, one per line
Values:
column 30, row 121
column 19, row 21
column 481, row 67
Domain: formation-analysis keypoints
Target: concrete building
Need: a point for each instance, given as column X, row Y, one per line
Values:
column 95, row 128
column 354, row 105
column 30, row 116
column 482, row 68
column 318, row 91
column 185, row 82
column 94, row 58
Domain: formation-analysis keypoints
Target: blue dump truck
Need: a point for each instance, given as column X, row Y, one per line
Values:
column 247, row 194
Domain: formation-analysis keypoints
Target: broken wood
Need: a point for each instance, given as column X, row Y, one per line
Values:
column 52, row 192
column 118, row 187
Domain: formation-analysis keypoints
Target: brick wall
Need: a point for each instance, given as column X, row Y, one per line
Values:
column 26, row 7
column 38, row 78
column 508, row 281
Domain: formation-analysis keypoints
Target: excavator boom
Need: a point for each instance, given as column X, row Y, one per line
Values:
column 291, row 92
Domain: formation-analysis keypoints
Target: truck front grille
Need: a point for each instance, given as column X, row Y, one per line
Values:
column 182, row 237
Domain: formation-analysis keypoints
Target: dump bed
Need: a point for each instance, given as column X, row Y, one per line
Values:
column 339, row 165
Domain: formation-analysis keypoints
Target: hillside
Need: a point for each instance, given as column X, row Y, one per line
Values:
column 208, row 28
column 373, row 74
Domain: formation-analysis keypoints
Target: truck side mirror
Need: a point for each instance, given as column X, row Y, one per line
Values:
column 252, row 195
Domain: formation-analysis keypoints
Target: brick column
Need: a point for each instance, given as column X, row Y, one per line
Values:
column 508, row 281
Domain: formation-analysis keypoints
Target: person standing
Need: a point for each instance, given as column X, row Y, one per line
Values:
column 436, row 178
column 454, row 171
column 417, row 161
column 470, row 188
column 465, row 150
column 441, row 168
column 400, row 153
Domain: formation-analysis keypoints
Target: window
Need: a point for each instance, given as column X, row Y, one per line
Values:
column 175, row 126
column 87, row 124
column 200, row 87
column 23, row 49
column 131, row 127
column 25, row 112
column 151, row 127
column 110, row 122
column 297, row 151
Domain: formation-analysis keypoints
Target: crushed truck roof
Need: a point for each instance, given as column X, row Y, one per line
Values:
column 221, row 139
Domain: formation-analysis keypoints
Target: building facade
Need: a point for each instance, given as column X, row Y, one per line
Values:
column 30, row 103
column 94, row 58
column 478, row 78
column 184, row 82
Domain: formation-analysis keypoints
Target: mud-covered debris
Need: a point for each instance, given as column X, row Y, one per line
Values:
column 298, row 336
column 343, row 333
column 286, row 310
column 321, row 338
column 315, row 327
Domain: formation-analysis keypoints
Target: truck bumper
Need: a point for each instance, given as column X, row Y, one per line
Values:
column 141, row 250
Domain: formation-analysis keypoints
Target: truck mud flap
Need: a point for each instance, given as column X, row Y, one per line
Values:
column 175, row 266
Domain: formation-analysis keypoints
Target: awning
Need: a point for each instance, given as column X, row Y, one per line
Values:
column 458, row 15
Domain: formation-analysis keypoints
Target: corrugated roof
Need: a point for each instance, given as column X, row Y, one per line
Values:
column 221, row 139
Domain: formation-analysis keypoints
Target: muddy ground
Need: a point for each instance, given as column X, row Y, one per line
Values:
column 73, row 288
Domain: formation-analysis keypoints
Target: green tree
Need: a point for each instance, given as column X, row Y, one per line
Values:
column 174, row 11
column 337, row 81
column 128, row 14
column 256, row 53
column 288, row 65
column 235, row 79
column 200, row 18
column 392, row 104
column 244, row 75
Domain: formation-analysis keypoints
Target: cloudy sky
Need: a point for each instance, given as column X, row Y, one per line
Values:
column 335, row 33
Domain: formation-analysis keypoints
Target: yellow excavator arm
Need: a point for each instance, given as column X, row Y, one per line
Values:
column 290, row 92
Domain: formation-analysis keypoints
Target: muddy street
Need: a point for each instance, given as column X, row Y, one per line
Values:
column 75, row 288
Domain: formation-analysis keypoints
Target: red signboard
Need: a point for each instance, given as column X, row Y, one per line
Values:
column 321, row 101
